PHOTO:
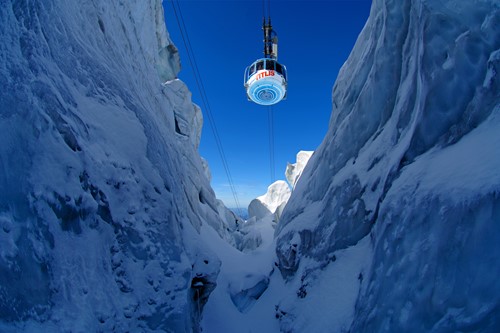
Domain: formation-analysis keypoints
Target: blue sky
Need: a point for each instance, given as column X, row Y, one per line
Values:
column 315, row 39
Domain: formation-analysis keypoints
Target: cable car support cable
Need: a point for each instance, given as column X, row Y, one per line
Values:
column 268, row 52
column 271, row 142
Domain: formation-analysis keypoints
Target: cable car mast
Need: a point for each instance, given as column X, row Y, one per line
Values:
column 270, row 40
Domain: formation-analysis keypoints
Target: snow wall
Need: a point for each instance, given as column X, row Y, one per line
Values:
column 393, row 225
column 102, row 189
column 411, row 164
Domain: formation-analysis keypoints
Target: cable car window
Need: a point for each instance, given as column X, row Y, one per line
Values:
column 279, row 69
column 270, row 65
column 260, row 65
column 252, row 70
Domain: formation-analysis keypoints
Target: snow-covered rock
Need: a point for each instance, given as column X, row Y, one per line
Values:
column 103, row 193
column 206, row 169
column 271, row 203
column 244, row 296
column 264, row 212
column 410, row 166
column 274, row 200
column 188, row 118
column 294, row 171
column 230, row 219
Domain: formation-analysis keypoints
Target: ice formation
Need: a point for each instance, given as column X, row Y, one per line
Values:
column 406, row 182
column 103, row 193
column 294, row 171
column 109, row 224
column 272, row 202
column 268, row 207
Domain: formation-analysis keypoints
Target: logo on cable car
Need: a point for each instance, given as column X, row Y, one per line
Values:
column 264, row 74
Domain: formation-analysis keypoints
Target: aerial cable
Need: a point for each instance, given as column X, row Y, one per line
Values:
column 271, row 142
column 206, row 104
column 265, row 80
column 201, row 88
column 267, row 24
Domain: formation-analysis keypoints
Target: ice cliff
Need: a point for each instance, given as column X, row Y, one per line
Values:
column 108, row 222
column 103, row 193
column 395, row 221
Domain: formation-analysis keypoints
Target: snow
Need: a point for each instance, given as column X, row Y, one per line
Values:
column 226, row 311
column 294, row 171
column 251, row 295
column 274, row 200
column 188, row 117
column 271, row 203
column 326, row 298
column 108, row 221
column 410, row 160
column 103, row 191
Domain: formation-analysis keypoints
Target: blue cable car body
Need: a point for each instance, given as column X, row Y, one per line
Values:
column 266, row 79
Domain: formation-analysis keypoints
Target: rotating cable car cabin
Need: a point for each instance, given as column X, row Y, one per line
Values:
column 266, row 79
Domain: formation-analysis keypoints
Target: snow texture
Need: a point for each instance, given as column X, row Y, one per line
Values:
column 103, row 193
column 271, row 203
column 294, row 171
column 274, row 200
column 411, row 163
column 108, row 222
column 269, row 207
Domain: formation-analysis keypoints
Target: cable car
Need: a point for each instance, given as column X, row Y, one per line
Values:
column 266, row 79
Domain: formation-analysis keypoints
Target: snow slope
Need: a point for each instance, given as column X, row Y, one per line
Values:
column 411, row 165
column 103, row 193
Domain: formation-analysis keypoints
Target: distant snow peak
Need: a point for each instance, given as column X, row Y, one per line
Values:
column 271, row 203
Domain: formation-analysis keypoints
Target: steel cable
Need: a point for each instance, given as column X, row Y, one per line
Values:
column 201, row 88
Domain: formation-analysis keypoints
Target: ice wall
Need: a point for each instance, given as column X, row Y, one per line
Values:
column 102, row 192
column 294, row 171
column 410, row 162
